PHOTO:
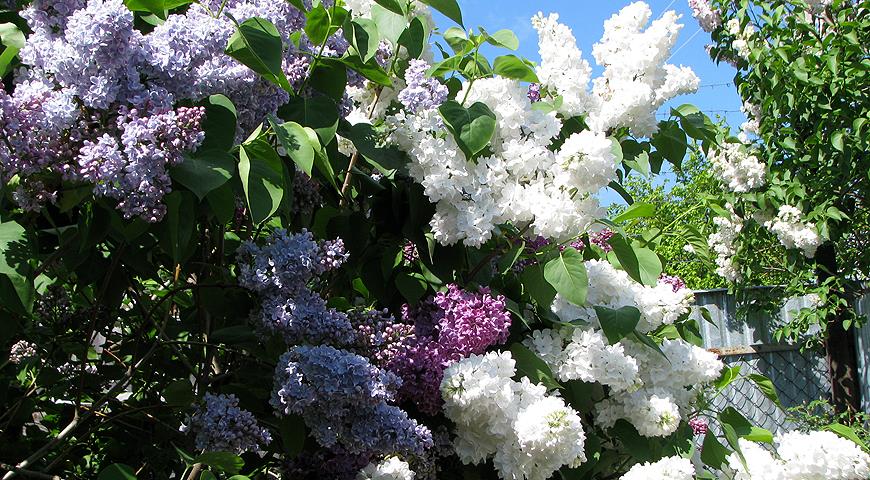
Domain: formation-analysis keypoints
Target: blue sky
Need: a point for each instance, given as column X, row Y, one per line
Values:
column 717, row 96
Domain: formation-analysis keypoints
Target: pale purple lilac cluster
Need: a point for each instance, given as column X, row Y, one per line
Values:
column 448, row 327
column 422, row 92
column 221, row 426
column 280, row 271
column 95, row 99
column 345, row 402
column 22, row 351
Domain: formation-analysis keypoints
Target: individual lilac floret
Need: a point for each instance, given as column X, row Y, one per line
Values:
column 602, row 239
column 21, row 351
column 675, row 282
column 448, row 327
column 534, row 92
column 221, row 426
column 343, row 400
column 421, row 92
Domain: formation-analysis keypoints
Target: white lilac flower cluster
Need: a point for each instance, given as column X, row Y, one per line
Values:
column 792, row 231
column 392, row 468
column 521, row 181
column 708, row 17
column 742, row 37
column 724, row 243
column 739, row 169
column 802, row 456
column 636, row 80
column 22, row 351
column 529, row 433
column 612, row 288
column 520, row 178
column 668, row 468
column 753, row 121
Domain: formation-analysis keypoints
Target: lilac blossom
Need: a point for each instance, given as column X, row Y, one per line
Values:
column 535, row 92
column 22, row 351
column 421, row 92
column 675, row 282
column 344, row 400
column 221, row 426
column 602, row 239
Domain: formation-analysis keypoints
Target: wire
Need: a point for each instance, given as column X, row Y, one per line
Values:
column 684, row 44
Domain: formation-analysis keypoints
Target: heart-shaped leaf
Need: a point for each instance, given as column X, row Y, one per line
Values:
column 472, row 127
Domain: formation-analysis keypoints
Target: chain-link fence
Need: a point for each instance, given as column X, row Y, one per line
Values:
column 798, row 376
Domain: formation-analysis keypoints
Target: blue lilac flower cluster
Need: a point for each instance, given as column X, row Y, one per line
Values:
column 221, row 426
column 344, row 400
column 95, row 100
column 421, row 92
column 280, row 271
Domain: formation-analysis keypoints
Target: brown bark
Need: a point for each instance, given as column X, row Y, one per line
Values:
column 839, row 342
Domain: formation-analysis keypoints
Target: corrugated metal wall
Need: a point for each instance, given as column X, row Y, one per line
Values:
column 799, row 376
column 862, row 306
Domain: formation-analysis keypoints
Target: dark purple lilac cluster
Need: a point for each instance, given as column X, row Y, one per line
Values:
column 280, row 271
column 221, row 426
column 675, row 282
column 345, row 402
column 448, row 327
column 95, row 101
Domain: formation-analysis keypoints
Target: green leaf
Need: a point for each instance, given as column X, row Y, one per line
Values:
column 15, row 252
column 117, row 471
column 390, row 24
column 256, row 43
column 837, row 140
column 329, row 77
column 224, row 461
column 262, row 177
column 728, row 375
column 362, row 34
column 766, row 386
column 412, row 286
column 179, row 223
column 646, row 340
column 450, row 9
column 472, row 127
column 537, row 286
column 511, row 66
column 6, row 58
column 207, row 475
column 219, row 124
column 567, row 274
column 503, row 38
column 457, row 39
column 396, row 6
column 296, row 143
column 650, row 265
column 415, row 38
column 509, row 259
column 179, row 392
column 846, row 432
column 293, row 433
column 318, row 24
column 204, row 171
column 233, row 335
column 11, row 36
column 619, row 323
column 713, row 453
column 157, row 7
column 671, row 142
column 636, row 210
column 319, row 113
column 742, row 427
column 371, row 69
column 531, row 366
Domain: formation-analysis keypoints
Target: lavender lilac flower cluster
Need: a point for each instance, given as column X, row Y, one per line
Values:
column 280, row 272
column 95, row 100
column 343, row 399
column 421, row 92
column 221, row 426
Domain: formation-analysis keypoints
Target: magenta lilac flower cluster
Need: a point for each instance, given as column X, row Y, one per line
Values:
column 221, row 426
column 602, row 239
column 421, row 92
column 280, row 271
column 96, row 99
column 448, row 327
column 345, row 401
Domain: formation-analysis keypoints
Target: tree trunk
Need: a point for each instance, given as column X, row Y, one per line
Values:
column 839, row 342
